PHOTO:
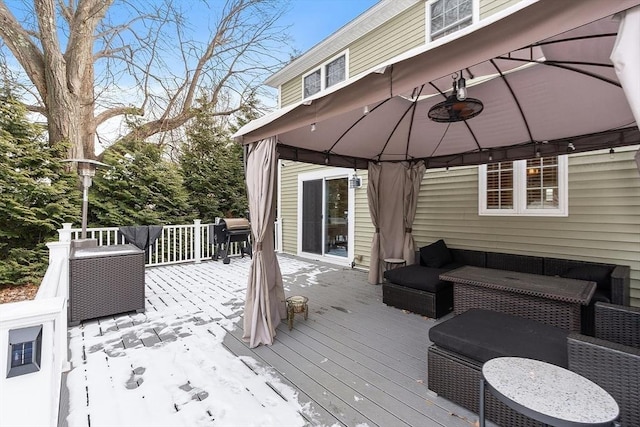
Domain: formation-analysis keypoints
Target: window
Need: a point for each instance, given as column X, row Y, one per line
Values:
column 535, row 187
column 332, row 72
column 312, row 83
column 335, row 71
column 448, row 16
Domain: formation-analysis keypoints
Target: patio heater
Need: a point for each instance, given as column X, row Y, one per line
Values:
column 86, row 171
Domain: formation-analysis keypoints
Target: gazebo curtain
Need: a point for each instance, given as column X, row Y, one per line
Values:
column 374, row 207
column 626, row 60
column 392, row 192
column 265, row 300
column 413, row 179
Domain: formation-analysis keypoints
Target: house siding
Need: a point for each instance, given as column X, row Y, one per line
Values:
column 291, row 92
column 398, row 35
column 363, row 227
column 489, row 7
column 603, row 223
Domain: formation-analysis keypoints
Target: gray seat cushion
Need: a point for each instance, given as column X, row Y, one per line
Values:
column 482, row 335
column 418, row 277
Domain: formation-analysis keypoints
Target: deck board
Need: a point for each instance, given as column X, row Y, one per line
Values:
column 353, row 362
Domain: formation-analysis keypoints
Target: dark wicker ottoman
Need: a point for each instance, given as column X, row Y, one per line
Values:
column 430, row 304
column 463, row 343
column 104, row 281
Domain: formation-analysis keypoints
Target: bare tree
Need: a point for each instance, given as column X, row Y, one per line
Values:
column 90, row 61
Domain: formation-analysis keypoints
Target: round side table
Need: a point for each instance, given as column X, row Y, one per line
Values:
column 547, row 393
column 391, row 263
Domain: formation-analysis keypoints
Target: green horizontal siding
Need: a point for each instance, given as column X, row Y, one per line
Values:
column 489, row 7
column 363, row 226
column 403, row 32
column 291, row 92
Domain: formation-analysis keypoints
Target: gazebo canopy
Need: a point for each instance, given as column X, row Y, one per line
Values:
column 543, row 73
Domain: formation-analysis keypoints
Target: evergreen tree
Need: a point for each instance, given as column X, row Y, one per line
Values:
column 141, row 187
column 37, row 195
column 212, row 167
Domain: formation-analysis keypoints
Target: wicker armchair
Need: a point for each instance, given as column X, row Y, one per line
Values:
column 612, row 358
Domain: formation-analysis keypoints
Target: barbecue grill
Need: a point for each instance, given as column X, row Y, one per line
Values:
column 227, row 231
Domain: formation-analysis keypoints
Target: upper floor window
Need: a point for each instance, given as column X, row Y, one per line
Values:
column 535, row 187
column 448, row 16
column 328, row 74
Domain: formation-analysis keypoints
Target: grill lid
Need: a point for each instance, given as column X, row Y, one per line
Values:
column 235, row 224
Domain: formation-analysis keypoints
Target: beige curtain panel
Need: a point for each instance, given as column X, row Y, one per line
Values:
column 265, row 300
column 412, row 181
column 372, row 197
column 392, row 193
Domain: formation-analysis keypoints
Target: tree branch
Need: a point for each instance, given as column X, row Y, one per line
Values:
column 115, row 112
column 23, row 48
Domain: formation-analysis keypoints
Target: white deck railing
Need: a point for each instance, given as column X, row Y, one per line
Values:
column 176, row 244
column 32, row 399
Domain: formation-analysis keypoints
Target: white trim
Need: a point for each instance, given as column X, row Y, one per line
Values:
column 323, row 73
column 325, row 174
column 520, row 191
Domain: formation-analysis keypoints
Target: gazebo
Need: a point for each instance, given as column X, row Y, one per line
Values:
column 546, row 79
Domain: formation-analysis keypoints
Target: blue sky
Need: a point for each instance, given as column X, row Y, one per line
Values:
column 313, row 20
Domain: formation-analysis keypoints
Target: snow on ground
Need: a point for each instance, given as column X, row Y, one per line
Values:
column 168, row 367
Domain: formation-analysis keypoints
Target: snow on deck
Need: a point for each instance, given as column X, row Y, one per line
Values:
column 354, row 362
column 168, row 367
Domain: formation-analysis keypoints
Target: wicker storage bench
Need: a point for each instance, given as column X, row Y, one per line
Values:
column 104, row 281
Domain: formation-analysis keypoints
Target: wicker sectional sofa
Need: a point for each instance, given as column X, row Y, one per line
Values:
column 417, row 287
column 463, row 343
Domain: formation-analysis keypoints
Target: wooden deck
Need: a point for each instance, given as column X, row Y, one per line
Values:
column 355, row 361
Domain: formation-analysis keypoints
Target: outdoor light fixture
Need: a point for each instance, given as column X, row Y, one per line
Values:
column 461, row 93
column 25, row 351
column 355, row 181
column 86, row 170
column 365, row 111
column 457, row 107
column 313, row 127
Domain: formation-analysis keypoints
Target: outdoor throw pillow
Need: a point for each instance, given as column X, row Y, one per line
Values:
column 435, row 255
column 593, row 273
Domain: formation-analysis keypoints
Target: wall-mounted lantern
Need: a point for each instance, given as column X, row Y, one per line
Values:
column 355, row 181
column 25, row 351
column 86, row 170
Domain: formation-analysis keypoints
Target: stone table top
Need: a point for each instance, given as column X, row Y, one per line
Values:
column 549, row 392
